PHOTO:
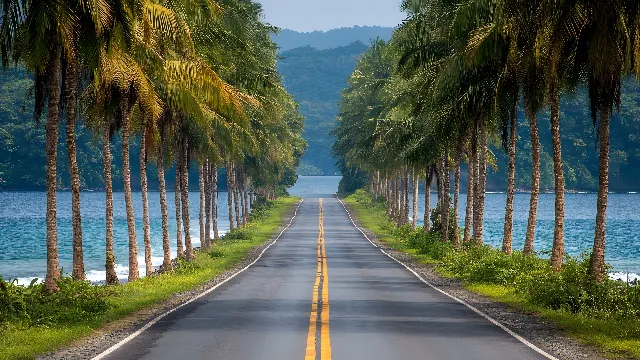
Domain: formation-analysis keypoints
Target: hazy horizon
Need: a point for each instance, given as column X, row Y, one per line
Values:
column 314, row 15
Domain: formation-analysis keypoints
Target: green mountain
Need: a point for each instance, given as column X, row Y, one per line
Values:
column 289, row 39
column 315, row 78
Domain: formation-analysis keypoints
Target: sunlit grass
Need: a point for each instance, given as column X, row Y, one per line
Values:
column 25, row 343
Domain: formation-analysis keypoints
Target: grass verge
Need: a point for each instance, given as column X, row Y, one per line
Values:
column 615, row 336
column 19, row 340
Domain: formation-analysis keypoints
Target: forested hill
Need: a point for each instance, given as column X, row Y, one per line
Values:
column 289, row 39
column 315, row 78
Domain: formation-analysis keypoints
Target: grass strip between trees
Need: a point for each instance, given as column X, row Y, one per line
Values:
column 33, row 323
column 604, row 315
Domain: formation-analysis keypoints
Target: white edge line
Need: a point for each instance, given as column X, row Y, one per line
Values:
column 492, row 320
column 159, row 317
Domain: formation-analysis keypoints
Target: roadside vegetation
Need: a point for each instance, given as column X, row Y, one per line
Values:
column 605, row 314
column 33, row 322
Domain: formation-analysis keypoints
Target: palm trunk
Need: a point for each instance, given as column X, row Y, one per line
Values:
column 177, row 193
column 166, row 249
column 214, row 201
column 507, row 240
column 74, row 176
column 184, row 187
column 470, row 191
column 445, row 198
column 557, row 252
column 414, row 223
column 201, row 176
column 407, row 184
column 427, row 198
column 230, row 194
column 236, row 197
column 597, row 266
column 456, row 198
column 207, row 203
column 245, row 209
column 53, row 89
column 535, row 183
column 110, row 264
column 145, row 201
column 128, row 198
column 478, row 203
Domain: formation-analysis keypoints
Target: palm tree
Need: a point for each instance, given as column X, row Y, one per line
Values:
column 166, row 249
column 177, row 193
column 74, row 176
column 507, row 241
column 201, row 188
column 184, row 189
column 145, row 201
column 125, row 118
column 111, row 277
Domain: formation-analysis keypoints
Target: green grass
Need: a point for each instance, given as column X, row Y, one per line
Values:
column 615, row 338
column 19, row 342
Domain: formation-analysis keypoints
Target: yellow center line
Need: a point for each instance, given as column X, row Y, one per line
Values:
column 322, row 277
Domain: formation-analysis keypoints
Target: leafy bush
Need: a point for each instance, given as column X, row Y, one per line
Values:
column 76, row 301
column 216, row 253
column 573, row 290
column 238, row 234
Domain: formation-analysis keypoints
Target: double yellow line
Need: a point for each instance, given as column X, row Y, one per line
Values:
column 320, row 303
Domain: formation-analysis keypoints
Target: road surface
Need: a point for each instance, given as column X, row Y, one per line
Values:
column 324, row 292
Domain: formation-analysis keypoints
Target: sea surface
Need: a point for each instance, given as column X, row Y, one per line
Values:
column 23, row 248
column 23, row 251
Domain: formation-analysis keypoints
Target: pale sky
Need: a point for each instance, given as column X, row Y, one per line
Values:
column 310, row 15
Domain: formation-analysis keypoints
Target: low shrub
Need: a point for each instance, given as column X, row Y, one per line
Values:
column 31, row 306
column 238, row 234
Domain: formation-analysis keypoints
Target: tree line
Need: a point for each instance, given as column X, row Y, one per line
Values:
column 452, row 80
column 194, row 81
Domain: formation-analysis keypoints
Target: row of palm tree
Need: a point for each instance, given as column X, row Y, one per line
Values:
column 453, row 78
column 194, row 80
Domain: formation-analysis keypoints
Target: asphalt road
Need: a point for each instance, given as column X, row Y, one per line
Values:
column 373, row 308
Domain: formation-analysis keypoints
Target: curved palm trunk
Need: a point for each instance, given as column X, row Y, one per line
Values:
column 470, row 191
column 51, row 151
column 201, row 175
column 456, row 198
column 597, row 266
column 414, row 223
column 166, row 249
column 110, row 265
column 74, row 176
column 507, row 240
column 535, row 183
column 146, row 226
column 184, row 187
column 230, row 194
column 478, row 203
column 177, row 193
column 128, row 199
column 207, row 204
column 557, row 252
column 214, row 201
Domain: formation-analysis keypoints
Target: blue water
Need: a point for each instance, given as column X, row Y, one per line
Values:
column 623, row 224
column 22, row 226
column 23, row 230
